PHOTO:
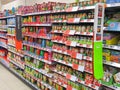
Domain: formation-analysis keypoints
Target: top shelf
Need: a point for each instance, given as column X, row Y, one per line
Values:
column 73, row 9
column 69, row 10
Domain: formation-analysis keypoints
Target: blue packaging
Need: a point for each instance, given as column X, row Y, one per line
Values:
column 114, row 26
column 111, row 1
column 43, row 43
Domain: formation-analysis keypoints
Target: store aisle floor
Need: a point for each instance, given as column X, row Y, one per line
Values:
column 10, row 82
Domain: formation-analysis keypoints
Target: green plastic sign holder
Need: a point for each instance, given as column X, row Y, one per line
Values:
column 98, row 62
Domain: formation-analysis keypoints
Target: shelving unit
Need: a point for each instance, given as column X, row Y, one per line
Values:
column 110, row 48
column 66, row 45
column 3, row 41
column 59, row 48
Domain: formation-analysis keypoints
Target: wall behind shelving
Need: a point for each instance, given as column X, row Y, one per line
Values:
column 17, row 3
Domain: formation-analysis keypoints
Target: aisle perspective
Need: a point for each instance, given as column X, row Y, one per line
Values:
column 58, row 46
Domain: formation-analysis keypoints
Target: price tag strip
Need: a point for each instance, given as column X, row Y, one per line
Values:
column 71, row 77
column 78, row 67
column 71, row 43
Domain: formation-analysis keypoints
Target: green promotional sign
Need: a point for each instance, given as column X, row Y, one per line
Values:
column 98, row 63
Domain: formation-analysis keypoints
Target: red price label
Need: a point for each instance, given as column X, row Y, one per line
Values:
column 69, row 9
column 68, row 43
column 68, row 76
column 69, row 87
column 78, row 67
column 70, row 20
column 66, row 32
column 71, row 77
column 69, row 52
column 73, row 54
column 75, row 66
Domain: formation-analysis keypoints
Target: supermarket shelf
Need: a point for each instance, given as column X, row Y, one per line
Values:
column 65, row 53
column 80, row 68
column 114, row 47
column 76, row 33
column 27, row 34
column 75, row 79
column 43, row 83
column 58, row 41
column 42, row 37
column 46, row 85
column 36, row 57
column 2, row 18
column 79, row 45
column 88, row 72
column 59, row 83
column 3, row 30
column 36, row 36
column 89, row 85
column 3, row 37
column 36, row 25
column 61, row 52
column 113, row 5
column 87, row 8
column 12, row 16
column 21, row 77
column 56, row 31
column 37, row 13
column 111, row 87
column 3, row 26
column 63, row 62
column 59, row 72
column 31, row 76
column 11, row 44
column 11, row 25
column 87, row 58
column 75, row 9
column 3, row 45
column 38, row 47
column 10, row 35
column 4, row 62
column 113, row 64
column 19, row 54
column 82, row 21
column 22, row 67
column 84, row 45
column 107, row 30
column 41, row 71
column 84, row 34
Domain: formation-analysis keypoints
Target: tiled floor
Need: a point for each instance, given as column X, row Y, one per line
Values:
column 9, row 82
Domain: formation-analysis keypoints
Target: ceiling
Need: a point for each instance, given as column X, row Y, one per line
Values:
column 6, row 1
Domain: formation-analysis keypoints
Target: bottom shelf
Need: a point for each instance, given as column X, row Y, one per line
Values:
column 21, row 77
column 24, row 79
column 4, row 61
